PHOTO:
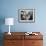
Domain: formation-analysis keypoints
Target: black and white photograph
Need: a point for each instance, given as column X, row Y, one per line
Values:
column 26, row 15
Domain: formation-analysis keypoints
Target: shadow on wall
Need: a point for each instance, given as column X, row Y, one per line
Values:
column 2, row 21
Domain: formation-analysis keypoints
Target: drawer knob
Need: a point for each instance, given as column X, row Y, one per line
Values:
column 33, row 42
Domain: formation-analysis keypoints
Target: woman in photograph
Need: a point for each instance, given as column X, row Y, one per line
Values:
column 23, row 15
column 30, row 15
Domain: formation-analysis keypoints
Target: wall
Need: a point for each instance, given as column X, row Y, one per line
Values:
column 9, row 8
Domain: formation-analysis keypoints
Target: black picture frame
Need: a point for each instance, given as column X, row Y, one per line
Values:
column 26, row 15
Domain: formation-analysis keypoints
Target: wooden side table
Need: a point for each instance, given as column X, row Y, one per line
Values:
column 20, row 39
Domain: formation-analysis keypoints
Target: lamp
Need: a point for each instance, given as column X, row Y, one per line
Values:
column 9, row 21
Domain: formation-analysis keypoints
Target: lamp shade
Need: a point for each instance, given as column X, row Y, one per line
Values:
column 9, row 21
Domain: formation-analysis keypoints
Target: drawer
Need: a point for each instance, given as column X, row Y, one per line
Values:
column 37, row 43
column 16, row 37
column 33, row 43
column 13, row 43
column 33, row 37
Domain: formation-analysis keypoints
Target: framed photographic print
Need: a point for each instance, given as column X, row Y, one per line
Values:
column 26, row 15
